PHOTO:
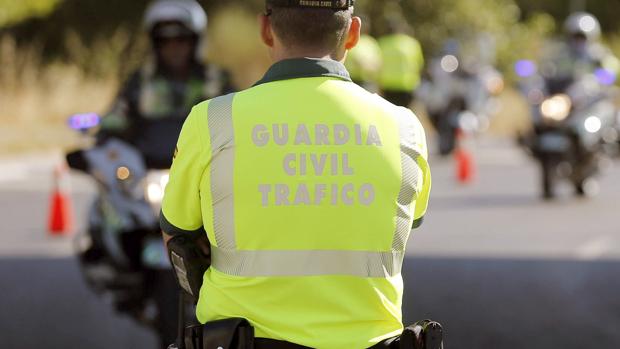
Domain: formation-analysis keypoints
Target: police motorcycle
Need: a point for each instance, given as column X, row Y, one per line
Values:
column 573, row 126
column 121, row 253
column 460, row 95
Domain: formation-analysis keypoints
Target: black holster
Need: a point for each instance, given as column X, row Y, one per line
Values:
column 425, row 334
column 234, row 333
column 189, row 263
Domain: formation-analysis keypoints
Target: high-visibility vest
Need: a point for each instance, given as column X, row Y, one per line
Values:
column 364, row 60
column 307, row 186
column 403, row 61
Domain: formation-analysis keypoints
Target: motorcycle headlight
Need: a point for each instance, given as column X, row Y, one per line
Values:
column 156, row 186
column 556, row 108
column 593, row 124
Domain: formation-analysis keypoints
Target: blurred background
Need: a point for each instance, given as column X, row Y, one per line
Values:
column 497, row 262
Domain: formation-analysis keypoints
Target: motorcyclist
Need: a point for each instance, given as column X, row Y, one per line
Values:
column 569, row 93
column 581, row 53
column 153, row 104
column 456, row 90
column 148, row 114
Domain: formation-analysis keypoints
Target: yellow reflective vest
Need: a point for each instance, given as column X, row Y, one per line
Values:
column 403, row 61
column 364, row 60
column 307, row 187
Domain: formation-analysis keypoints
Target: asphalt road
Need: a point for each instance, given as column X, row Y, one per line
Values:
column 497, row 266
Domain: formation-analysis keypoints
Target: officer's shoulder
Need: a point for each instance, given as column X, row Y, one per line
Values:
column 199, row 111
column 202, row 108
column 378, row 100
column 135, row 76
column 404, row 116
column 408, row 117
column 133, row 81
column 598, row 51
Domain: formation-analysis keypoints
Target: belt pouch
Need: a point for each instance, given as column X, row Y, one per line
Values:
column 233, row 333
column 426, row 334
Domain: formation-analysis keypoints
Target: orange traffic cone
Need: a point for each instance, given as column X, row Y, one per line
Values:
column 60, row 215
column 465, row 164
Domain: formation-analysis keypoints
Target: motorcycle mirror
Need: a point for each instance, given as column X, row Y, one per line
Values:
column 77, row 161
column 84, row 121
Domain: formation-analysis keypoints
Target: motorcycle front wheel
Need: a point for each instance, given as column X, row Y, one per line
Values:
column 548, row 177
column 166, row 298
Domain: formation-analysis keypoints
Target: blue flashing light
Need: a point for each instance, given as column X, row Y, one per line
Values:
column 84, row 121
column 525, row 68
column 605, row 77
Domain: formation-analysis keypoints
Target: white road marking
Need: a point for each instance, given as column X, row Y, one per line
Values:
column 34, row 173
column 13, row 172
column 38, row 246
column 595, row 249
column 28, row 167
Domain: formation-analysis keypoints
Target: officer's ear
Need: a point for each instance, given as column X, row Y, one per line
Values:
column 355, row 31
column 266, row 32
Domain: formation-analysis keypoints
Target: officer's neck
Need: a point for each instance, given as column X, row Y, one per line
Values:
column 291, row 53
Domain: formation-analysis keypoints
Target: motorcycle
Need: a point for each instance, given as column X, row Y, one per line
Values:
column 459, row 99
column 615, row 135
column 121, row 254
column 573, row 128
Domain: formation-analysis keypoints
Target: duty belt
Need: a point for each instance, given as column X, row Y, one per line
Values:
column 266, row 343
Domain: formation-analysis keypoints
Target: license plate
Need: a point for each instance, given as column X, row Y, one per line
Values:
column 554, row 142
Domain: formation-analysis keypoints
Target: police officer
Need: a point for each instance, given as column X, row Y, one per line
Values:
column 403, row 61
column 307, row 187
column 151, row 108
column 581, row 53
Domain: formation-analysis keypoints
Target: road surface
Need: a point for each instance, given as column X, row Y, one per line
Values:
column 497, row 266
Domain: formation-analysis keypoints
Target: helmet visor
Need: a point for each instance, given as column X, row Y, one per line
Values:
column 170, row 30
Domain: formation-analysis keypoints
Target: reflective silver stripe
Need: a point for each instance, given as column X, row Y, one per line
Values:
column 410, row 177
column 222, row 166
column 267, row 263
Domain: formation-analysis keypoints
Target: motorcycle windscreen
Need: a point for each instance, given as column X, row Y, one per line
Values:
column 554, row 143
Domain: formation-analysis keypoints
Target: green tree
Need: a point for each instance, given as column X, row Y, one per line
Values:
column 12, row 11
column 435, row 21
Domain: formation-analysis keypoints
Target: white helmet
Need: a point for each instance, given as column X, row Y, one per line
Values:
column 583, row 23
column 187, row 12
